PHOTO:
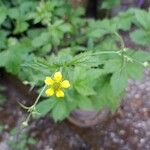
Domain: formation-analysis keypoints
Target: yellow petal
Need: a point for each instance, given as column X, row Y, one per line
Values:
column 57, row 76
column 59, row 93
column 48, row 81
column 65, row 84
column 49, row 92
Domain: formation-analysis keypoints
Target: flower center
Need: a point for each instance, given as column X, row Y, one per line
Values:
column 56, row 86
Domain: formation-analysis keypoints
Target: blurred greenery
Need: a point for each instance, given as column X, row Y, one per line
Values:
column 2, row 97
column 20, row 141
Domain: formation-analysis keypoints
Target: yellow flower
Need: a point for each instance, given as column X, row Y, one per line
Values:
column 56, row 84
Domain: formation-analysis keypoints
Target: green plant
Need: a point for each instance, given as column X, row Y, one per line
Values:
column 107, row 4
column 2, row 97
column 21, row 141
column 1, row 128
column 49, row 36
column 142, row 34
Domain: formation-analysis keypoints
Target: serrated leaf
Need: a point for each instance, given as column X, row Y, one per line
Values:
column 60, row 111
column 140, row 56
column 12, row 58
column 3, row 56
column 3, row 39
column 65, row 27
column 11, row 61
column 85, row 103
column 135, row 71
column 119, row 81
column 124, row 19
column 84, row 80
column 84, row 89
column 13, row 13
column 21, row 26
column 3, row 14
column 41, row 40
column 105, row 95
column 45, row 106
column 141, row 16
column 107, row 4
column 140, row 36
column 113, row 65
column 71, row 98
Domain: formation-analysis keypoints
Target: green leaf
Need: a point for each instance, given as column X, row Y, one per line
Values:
column 139, row 56
column 41, row 40
column 84, row 88
column 13, row 13
column 32, row 141
column 71, row 98
column 66, row 27
column 123, row 20
column 59, row 112
column 3, row 14
column 35, row 32
column 84, row 80
column 108, row 4
column 3, row 39
column 1, row 128
column 3, row 56
column 134, row 70
column 119, row 81
column 105, row 95
column 113, row 65
column 142, row 18
column 11, row 61
column 45, row 106
column 85, row 103
column 21, row 26
column 12, row 58
column 97, row 29
column 141, row 36
column 2, row 99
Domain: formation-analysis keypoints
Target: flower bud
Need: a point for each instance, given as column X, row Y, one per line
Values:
column 146, row 64
column 25, row 124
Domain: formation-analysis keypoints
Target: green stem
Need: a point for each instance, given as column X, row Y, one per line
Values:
column 121, row 40
column 92, row 54
column 104, row 52
column 37, row 99
column 32, row 108
column 28, row 118
column 134, row 60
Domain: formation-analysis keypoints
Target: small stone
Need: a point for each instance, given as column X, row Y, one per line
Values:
column 122, row 132
column 142, row 140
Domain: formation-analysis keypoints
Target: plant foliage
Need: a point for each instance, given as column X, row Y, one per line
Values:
column 38, row 38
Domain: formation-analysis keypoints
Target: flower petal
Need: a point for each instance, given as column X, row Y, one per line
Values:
column 65, row 84
column 48, row 81
column 59, row 93
column 49, row 92
column 58, row 76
